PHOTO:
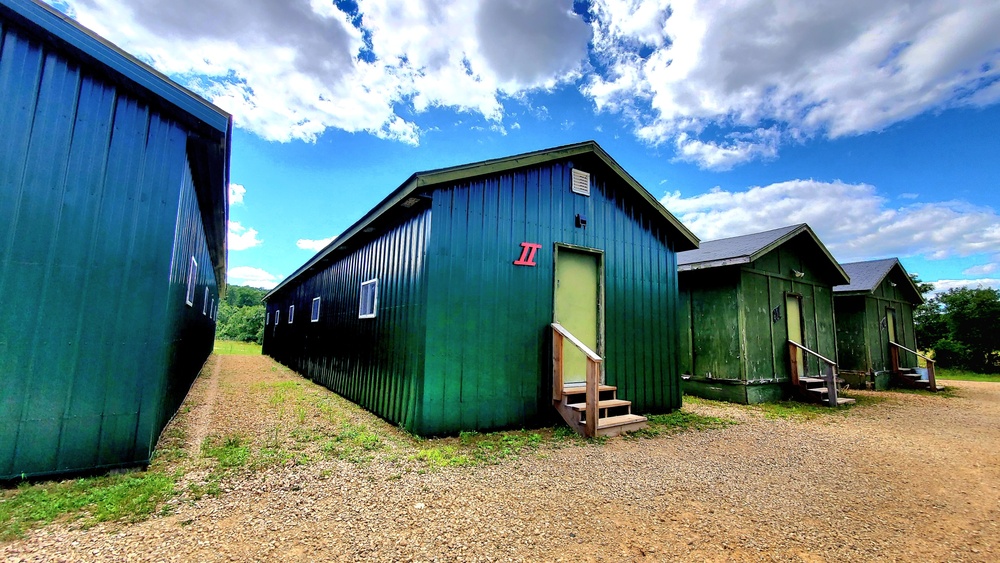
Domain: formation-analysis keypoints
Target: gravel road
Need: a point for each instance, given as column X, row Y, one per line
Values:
column 911, row 478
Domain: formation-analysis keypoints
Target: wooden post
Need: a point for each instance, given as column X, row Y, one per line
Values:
column 794, row 358
column 557, row 366
column 831, row 386
column 593, row 394
column 932, row 384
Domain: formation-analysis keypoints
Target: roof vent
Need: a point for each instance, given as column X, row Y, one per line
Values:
column 581, row 182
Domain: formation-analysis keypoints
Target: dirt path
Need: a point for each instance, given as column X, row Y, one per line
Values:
column 913, row 478
column 203, row 397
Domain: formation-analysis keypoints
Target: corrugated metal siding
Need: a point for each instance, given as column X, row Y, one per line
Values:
column 488, row 362
column 375, row 362
column 89, row 191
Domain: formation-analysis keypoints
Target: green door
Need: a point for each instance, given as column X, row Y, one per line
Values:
column 890, row 322
column 794, row 309
column 577, row 308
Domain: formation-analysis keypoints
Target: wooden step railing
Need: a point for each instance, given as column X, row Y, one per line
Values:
column 831, row 370
column 894, row 349
column 559, row 336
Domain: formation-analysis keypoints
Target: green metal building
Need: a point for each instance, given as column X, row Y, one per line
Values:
column 742, row 299
column 433, row 311
column 113, row 213
column 876, row 307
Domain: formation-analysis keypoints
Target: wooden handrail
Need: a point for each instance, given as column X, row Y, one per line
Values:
column 894, row 359
column 831, row 370
column 593, row 382
column 808, row 351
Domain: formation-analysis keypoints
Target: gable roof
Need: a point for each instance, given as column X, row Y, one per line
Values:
column 747, row 248
column 867, row 276
column 420, row 182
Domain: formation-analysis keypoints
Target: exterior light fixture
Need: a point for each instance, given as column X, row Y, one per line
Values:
column 410, row 202
column 797, row 273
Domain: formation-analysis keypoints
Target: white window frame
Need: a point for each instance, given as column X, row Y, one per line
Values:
column 191, row 282
column 211, row 309
column 267, row 322
column 277, row 317
column 291, row 313
column 374, row 301
column 204, row 305
column 314, row 313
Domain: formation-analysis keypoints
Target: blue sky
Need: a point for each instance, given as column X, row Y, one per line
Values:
column 877, row 123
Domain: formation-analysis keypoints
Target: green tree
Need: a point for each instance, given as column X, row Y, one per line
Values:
column 971, row 316
column 241, row 315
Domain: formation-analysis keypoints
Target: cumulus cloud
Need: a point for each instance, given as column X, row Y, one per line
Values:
column 236, row 193
column 290, row 70
column 852, row 220
column 242, row 238
column 942, row 286
column 794, row 69
column 254, row 277
column 314, row 245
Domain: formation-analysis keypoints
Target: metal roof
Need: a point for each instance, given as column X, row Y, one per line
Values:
column 867, row 276
column 422, row 181
column 747, row 248
column 209, row 127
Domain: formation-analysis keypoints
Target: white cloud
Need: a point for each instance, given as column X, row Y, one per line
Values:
column 798, row 69
column 290, row 70
column 236, row 193
column 852, row 220
column 254, row 277
column 242, row 238
column 314, row 245
column 942, row 286
column 982, row 269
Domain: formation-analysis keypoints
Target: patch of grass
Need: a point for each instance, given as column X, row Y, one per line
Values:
column 794, row 410
column 229, row 451
column 963, row 375
column 680, row 421
column 443, row 456
column 236, row 348
column 130, row 497
column 474, row 448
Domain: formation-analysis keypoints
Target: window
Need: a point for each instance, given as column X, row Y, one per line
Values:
column 211, row 310
column 291, row 313
column 192, row 278
column 277, row 319
column 267, row 321
column 315, row 310
column 369, row 299
column 204, row 303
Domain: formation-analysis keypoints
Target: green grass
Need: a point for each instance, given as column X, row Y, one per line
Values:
column 229, row 451
column 236, row 348
column 680, row 421
column 130, row 497
column 474, row 448
column 962, row 375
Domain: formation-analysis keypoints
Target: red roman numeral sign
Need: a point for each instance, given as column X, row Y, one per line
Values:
column 528, row 250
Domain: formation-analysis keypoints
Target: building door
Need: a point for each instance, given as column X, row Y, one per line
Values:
column 578, row 307
column 793, row 308
column 890, row 324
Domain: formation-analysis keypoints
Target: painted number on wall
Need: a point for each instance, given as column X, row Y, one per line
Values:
column 528, row 250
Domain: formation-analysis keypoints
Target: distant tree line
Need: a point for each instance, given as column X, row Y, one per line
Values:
column 241, row 315
column 960, row 325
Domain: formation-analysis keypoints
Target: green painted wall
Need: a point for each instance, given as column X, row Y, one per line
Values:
column 730, row 334
column 861, row 332
column 98, row 217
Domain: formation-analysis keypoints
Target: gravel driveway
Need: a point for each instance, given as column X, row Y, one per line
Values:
column 911, row 478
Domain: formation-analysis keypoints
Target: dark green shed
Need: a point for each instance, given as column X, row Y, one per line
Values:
column 742, row 298
column 876, row 307
column 434, row 310
column 113, row 213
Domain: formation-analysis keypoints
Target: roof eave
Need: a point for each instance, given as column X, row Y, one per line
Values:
column 714, row 264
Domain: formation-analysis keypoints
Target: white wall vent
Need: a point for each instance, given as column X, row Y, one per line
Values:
column 581, row 182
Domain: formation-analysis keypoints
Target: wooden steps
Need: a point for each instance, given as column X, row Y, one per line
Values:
column 614, row 415
column 816, row 390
